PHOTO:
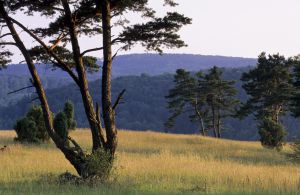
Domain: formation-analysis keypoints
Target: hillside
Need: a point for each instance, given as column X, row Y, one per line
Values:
column 151, row 64
column 144, row 106
column 151, row 163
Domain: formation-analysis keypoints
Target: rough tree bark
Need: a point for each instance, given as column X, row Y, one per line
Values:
column 94, row 122
column 107, row 108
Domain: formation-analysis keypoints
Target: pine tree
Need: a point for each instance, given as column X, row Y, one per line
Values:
column 220, row 97
column 72, row 19
column 270, row 88
column 185, row 97
column 207, row 98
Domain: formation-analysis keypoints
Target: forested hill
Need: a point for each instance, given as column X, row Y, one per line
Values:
column 144, row 106
column 151, row 64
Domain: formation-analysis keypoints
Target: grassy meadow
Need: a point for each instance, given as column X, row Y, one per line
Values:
column 154, row 163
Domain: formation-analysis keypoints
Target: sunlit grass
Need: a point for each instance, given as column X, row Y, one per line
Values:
column 153, row 162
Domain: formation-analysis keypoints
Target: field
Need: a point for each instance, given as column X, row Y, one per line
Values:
column 154, row 163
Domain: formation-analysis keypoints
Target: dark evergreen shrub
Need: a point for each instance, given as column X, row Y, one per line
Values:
column 26, row 131
column 32, row 128
column 36, row 114
column 69, row 112
column 60, row 125
column 272, row 134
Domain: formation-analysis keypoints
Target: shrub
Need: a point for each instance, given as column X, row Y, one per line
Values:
column 99, row 163
column 272, row 134
column 32, row 128
column 69, row 112
column 36, row 114
column 60, row 125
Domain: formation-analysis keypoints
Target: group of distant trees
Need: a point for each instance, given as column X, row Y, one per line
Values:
column 207, row 97
column 272, row 87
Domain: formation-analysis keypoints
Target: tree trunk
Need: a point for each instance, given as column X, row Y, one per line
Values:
column 219, row 124
column 214, row 119
column 202, row 127
column 107, row 109
column 95, row 124
column 72, row 154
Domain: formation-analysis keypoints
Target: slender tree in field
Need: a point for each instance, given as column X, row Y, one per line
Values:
column 185, row 97
column 69, row 20
column 270, row 90
column 208, row 98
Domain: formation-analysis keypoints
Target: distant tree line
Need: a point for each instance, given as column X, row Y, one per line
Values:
column 272, row 88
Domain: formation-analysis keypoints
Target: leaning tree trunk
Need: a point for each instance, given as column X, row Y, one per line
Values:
column 107, row 108
column 73, row 154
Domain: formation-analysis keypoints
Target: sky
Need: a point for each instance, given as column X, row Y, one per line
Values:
column 242, row 28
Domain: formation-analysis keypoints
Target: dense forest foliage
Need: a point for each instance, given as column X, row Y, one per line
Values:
column 144, row 106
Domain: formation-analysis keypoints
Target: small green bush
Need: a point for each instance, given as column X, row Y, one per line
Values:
column 69, row 112
column 272, row 134
column 32, row 127
column 99, row 164
column 60, row 125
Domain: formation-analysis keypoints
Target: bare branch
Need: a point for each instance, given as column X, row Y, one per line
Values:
column 20, row 89
column 34, row 99
column 58, row 40
column 8, row 43
column 120, row 97
column 116, row 53
column 4, row 35
column 58, row 9
column 91, row 50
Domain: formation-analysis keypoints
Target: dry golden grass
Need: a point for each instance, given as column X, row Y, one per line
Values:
column 155, row 162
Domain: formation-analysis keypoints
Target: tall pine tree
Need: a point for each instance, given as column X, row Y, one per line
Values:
column 69, row 21
column 270, row 90
column 207, row 98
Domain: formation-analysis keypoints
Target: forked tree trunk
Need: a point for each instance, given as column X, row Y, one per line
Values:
column 107, row 108
column 95, row 124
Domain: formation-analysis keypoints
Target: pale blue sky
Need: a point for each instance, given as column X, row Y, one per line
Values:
column 229, row 27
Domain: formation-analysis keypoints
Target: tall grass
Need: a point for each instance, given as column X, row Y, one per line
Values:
column 150, row 162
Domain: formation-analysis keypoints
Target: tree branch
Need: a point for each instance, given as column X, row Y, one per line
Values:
column 58, row 40
column 91, row 50
column 60, row 63
column 8, row 43
column 120, row 97
column 4, row 35
column 37, row 98
column 31, row 86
